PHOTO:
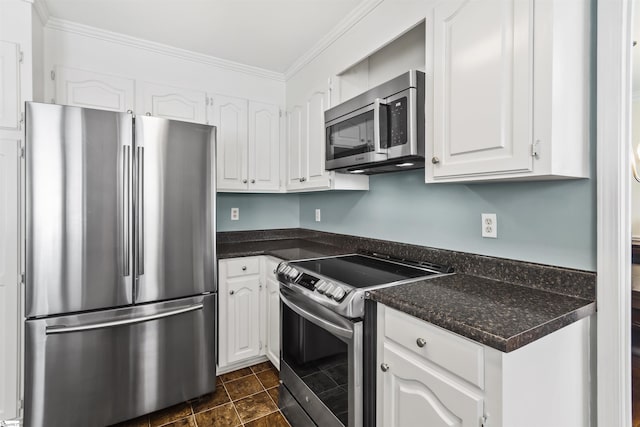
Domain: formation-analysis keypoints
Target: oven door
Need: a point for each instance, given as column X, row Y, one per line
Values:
column 321, row 364
column 357, row 138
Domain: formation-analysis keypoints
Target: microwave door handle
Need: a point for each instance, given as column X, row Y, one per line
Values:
column 379, row 126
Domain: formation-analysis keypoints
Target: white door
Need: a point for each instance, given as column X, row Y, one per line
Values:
column 9, row 85
column 296, row 122
column 89, row 89
column 172, row 103
column 230, row 119
column 243, row 318
column 9, row 289
column 317, row 176
column 416, row 394
column 264, row 146
column 482, row 87
column 272, row 341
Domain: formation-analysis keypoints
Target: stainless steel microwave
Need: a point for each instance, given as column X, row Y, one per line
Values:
column 381, row 130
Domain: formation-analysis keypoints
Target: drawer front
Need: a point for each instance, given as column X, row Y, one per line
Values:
column 242, row 266
column 458, row 355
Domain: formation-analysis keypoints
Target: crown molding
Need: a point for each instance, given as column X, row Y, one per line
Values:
column 42, row 10
column 110, row 36
column 342, row 27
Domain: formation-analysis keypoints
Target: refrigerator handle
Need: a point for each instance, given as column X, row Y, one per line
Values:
column 62, row 329
column 126, row 226
column 140, row 211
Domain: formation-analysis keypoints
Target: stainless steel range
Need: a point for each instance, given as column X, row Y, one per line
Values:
column 321, row 319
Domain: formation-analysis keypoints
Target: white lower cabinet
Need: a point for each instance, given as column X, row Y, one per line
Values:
column 272, row 308
column 429, row 376
column 249, row 311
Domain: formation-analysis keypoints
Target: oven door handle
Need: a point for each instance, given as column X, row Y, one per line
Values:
column 344, row 331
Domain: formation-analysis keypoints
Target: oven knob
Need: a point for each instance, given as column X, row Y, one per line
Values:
column 329, row 289
column 293, row 273
column 318, row 284
column 281, row 267
column 338, row 294
column 323, row 287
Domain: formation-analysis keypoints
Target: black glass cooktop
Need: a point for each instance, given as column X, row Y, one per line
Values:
column 362, row 271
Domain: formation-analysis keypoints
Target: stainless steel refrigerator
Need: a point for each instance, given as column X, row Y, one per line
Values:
column 120, row 294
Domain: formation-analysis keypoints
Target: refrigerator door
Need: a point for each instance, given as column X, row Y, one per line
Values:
column 100, row 368
column 78, row 216
column 175, row 222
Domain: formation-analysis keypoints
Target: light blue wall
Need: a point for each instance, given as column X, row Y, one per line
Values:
column 258, row 211
column 545, row 222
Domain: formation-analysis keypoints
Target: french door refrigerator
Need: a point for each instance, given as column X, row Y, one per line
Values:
column 120, row 295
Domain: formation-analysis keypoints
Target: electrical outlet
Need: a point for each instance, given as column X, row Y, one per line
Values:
column 489, row 226
column 317, row 215
column 235, row 214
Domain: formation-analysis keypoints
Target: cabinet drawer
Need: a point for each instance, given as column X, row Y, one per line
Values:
column 458, row 355
column 242, row 266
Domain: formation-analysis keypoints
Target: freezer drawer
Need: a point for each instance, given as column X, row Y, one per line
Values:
column 100, row 368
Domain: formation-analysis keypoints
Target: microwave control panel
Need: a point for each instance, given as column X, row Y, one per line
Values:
column 397, row 114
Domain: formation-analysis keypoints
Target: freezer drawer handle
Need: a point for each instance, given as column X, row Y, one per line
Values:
column 63, row 329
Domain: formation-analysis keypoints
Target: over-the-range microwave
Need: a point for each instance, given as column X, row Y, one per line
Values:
column 381, row 130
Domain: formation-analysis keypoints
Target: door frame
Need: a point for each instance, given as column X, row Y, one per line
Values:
column 614, row 35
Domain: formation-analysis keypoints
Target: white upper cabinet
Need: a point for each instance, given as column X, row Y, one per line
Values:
column 172, row 103
column 264, row 147
column 230, row 119
column 89, row 89
column 248, row 140
column 9, row 85
column 501, row 70
column 306, row 150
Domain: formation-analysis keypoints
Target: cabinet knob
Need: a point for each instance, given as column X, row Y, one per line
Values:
column 421, row 342
column 244, row 181
column 435, row 160
column 274, row 271
column 384, row 367
column 232, row 292
column 244, row 268
column 147, row 113
column 253, row 181
column 303, row 179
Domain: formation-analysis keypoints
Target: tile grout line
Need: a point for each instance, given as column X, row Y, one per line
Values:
column 234, row 406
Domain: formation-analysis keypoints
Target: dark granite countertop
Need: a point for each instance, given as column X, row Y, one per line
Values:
column 285, row 249
column 498, row 314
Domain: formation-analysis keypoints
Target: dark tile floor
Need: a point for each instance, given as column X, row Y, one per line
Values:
column 246, row 397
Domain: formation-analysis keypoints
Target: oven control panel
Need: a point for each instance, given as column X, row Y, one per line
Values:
column 327, row 288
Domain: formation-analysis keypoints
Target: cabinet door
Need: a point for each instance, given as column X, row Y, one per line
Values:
column 272, row 341
column 416, row 394
column 89, row 89
column 482, row 87
column 243, row 318
column 264, row 146
column 296, row 122
column 316, row 175
column 172, row 103
column 230, row 119
column 9, row 85
column 9, row 288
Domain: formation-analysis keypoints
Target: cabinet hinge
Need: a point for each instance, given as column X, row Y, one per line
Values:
column 21, row 57
column 484, row 422
column 534, row 148
column 21, row 404
column 280, row 113
column 53, row 75
column 21, row 153
column 260, row 345
column 206, row 100
column 21, row 120
column 22, row 279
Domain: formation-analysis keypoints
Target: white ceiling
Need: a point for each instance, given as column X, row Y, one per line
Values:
column 269, row 34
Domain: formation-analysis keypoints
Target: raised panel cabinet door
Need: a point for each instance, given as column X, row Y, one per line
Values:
column 9, row 85
column 317, row 176
column 243, row 318
column 272, row 314
column 482, row 87
column 172, row 103
column 264, row 146
column 89, row 89
column 230, row 119
column 296, row 121
column 416, row 394
column 9, row 288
